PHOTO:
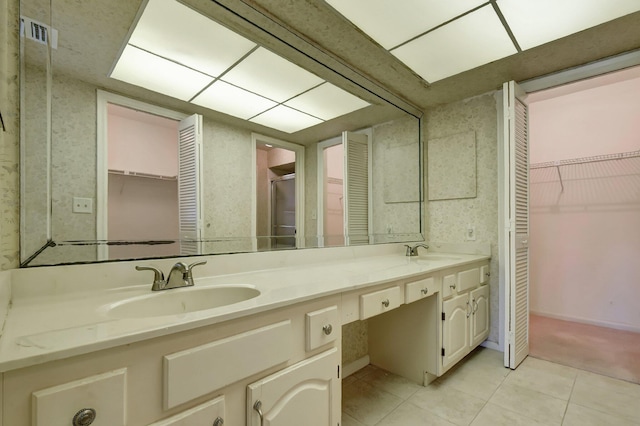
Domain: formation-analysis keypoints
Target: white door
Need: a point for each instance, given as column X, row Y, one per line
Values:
column 189, row 182
column 356, row 188
column 516, row 159
column 455, row 330
column 307, row 393
column 480, row 315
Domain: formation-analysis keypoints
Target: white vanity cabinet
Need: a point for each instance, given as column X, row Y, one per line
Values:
column 197, row 377
column 306, row 393
column 465, row 314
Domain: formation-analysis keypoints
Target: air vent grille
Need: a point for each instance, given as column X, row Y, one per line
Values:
column 38, row 32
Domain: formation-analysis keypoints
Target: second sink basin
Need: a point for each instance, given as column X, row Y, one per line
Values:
column 180, row 301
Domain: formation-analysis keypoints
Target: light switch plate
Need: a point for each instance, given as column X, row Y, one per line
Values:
column 82, row 205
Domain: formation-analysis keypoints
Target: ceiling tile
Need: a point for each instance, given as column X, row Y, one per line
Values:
column 393, row 22
column 327, row 101
column 537, row 22
column 466, row 43
column 271, row 76
column 177, row 32
column 226, row 98
column 143, row 69
column 286, row 119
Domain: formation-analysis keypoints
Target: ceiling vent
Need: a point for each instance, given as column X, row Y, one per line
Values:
column 38, row 32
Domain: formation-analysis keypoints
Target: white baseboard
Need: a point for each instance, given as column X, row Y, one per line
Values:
column 617, row 326
column 354, row 366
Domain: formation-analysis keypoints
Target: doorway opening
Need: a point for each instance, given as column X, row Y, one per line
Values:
column 585, row 224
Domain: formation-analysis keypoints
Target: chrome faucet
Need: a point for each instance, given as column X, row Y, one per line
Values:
column 181, row 275
column 413, row 251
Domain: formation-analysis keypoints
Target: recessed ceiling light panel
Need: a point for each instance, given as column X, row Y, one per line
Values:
column 152, row 72
column 286, row 119
column 466, row 43
column 393, row 22
column 537, row 22
column 232, row 100
column 272, row 76
column 327, row 101
column 174, row 31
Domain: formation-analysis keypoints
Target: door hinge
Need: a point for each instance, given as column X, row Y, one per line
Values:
column 338, row 372
column 443, row 316
column 442, row 351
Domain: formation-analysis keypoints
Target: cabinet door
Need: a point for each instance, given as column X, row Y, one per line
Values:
column 306, row 393
column 480, row 315
column 455, row 330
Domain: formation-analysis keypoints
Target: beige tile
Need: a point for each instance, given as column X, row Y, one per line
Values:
column 493, row 415
column 408, row 414
column 392, row 383
column 545, row 377
column 366, row 403
column 578, row 415
column 477, row 381
column 364, row 371
column 486, row 359
column 451, row 404
column 607, row 395
column 530, row 403
column 349, row 380
column 347, row 420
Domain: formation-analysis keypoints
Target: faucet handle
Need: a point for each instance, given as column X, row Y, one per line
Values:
column 189, row 273
column 158, row 276
column 409, row 251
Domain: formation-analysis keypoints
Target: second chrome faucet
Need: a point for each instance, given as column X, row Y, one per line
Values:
column 181, row 275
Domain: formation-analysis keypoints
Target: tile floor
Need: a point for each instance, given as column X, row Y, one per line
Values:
column 480, row 391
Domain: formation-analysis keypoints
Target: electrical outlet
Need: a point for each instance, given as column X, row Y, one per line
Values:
column 471, row 233
column 82, row 205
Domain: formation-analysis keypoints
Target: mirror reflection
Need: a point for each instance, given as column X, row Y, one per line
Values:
column 150, row 129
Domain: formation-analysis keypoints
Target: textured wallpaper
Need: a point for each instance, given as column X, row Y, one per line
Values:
column 448, row 219
column 9, row 139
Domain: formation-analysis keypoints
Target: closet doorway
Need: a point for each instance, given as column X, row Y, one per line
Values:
column 585, row 224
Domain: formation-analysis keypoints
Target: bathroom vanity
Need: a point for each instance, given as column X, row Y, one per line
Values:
column 276, row 356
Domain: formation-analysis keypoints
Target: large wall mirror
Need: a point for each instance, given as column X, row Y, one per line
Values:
column 155, row 128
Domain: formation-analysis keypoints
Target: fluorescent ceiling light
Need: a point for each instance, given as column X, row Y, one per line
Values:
column 286, row 119
column 272, row 76
column 177, row 32
column 393, row 22
column 537, row 22
column 327, row 101
column 466, row 43
column 143, row 69
column 224, row 97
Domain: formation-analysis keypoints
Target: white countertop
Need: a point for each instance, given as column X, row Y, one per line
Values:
column 60, row 320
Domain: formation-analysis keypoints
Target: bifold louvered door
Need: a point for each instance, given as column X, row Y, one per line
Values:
column 189, row 180
column 516, row 137
column 356, row 188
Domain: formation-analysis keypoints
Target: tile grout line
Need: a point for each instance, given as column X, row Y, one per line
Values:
column 564, row 415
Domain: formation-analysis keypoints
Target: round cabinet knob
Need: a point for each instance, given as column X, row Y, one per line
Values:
column 84, row 417
column 327, row 329
column 385, row 303
column 218, row 422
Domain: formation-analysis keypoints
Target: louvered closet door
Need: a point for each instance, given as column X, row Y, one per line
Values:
column 516, row 132
column 356, row 188
column 190, row 203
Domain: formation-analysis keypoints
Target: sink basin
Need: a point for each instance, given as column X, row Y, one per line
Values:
column 437, row 257
column 180, row 301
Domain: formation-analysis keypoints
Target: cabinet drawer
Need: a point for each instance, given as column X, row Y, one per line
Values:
column 198, row 371
column 378, row 302
column 449, row 284
column 203, row 414
column 468, row 279
column 103, row 393
column 322, row 327
column 417, row 290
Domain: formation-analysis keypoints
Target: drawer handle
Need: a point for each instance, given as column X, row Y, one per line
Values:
column 385, row 303
column 84, row 417
column 327, row 329
column 218, row 422
column 258, row 407
column 452, row 286
column 425, row 291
